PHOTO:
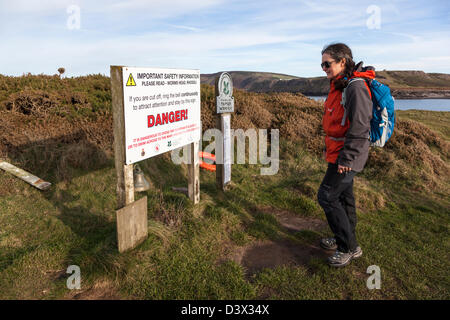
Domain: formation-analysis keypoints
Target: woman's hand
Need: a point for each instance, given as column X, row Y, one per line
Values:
column 342, row 169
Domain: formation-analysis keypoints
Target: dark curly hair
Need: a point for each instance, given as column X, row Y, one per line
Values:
column 339, row 51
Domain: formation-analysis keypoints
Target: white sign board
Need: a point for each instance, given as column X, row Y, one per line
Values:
column 162, row 110
column 226, row 149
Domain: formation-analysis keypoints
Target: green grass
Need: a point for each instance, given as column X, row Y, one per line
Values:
column 74, row 223
column 435, row 120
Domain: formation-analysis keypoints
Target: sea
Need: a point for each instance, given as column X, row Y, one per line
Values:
column 408, row 104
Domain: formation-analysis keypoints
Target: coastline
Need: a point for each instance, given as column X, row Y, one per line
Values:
column 408, row 94
column 420, row 93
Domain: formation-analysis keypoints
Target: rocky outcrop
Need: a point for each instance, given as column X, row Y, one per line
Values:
column 422, row 93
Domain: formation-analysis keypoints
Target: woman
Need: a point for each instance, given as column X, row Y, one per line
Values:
column 346, row 122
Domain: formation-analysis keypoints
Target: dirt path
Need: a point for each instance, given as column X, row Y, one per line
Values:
column 261, row 254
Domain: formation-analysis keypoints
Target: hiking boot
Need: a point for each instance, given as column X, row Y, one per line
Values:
column 340, row 259
column 328, row 243
column 356, row 253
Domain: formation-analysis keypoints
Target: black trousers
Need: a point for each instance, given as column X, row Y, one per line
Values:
column 337, row 200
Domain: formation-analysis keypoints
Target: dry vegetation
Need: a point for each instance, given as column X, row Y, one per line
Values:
column 48, row 122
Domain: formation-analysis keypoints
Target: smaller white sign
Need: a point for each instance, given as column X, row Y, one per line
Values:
column 225, row 99
column 225, row 104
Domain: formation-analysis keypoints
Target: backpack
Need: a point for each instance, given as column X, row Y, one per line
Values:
column 383, row 115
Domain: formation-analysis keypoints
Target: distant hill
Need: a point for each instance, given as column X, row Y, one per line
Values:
column 404, row 84
column 251, row 81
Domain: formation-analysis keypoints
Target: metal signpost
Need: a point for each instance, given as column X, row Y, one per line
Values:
column 225, row 106
column 155, row 111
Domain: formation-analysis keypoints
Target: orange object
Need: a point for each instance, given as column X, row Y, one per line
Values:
column 205, row 165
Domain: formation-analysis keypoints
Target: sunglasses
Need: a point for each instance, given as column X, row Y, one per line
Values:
column 326, row 64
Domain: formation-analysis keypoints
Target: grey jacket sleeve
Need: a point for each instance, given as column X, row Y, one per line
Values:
column 359, row 111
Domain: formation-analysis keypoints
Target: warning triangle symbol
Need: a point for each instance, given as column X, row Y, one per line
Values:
column 130, row 81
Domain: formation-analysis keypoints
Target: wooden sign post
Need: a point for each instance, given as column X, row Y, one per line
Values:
column 131, row 219
column 194, row 173
column 125, row 182
column 224, row 108
column 155, row 110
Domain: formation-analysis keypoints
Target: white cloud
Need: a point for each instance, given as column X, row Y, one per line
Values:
column 194, row 29
column 286, row 36
column 154, row 9
column 36, row 7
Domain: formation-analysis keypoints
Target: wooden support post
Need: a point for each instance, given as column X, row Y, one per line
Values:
column 131, row 216
column 194, row 173
column 129, row 183
column 125, row 183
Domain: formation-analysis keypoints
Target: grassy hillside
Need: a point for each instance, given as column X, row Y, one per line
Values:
column 256, row 241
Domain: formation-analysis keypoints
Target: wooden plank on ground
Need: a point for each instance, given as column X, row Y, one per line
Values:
column 25, row 176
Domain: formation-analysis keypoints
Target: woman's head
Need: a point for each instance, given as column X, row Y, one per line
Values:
column 337, row 59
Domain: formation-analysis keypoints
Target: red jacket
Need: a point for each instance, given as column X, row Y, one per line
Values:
column 359, row 107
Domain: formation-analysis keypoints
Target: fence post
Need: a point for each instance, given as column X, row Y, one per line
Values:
column 194, row 173
column 224, row 108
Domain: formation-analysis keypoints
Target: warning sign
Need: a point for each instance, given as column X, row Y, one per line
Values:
column 161, row 110
column 131, row 81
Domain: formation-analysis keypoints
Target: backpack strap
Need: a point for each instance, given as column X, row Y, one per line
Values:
column 344, row 99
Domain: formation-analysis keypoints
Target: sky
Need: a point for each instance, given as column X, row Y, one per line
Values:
column 282, row 36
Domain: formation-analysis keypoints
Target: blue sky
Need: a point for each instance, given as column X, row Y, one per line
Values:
column 220, row 35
